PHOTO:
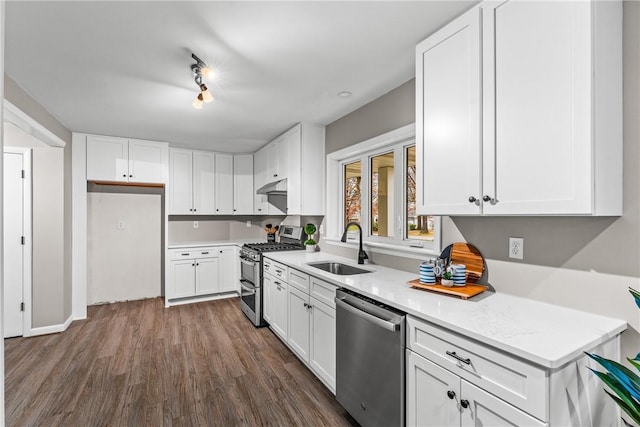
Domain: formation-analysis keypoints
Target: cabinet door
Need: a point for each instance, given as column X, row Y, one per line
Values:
column 203, row 182
column 107, row 159
column 224, row 184
column 243, row 192
column 294, row 164
column 537, row 96
column 229, row 280
column 487, row 410
column 182, row 278
column 432, row 394
column 322, row 351
column 207, row 276
column 273, row 160
column 268, row 293
column 261, row 204
column 298, row 333
column 448, row 111
column 147, row 161
column 180, row 182
column 279, row 314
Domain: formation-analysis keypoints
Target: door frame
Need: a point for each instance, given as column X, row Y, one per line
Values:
column 27, row 233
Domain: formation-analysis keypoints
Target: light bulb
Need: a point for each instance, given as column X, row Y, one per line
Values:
column 208, row 73
column 197, row 103
column 206, row 95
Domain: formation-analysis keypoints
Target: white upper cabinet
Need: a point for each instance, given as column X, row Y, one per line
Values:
column 243, row 191
column 125, row 160
column 305, row 171
column 180, row 186
column 147, row 161
column 224, row 184
column 260, row 159
column 519, row 111
column 448, row 102
column 203, row 182
column 191, row 182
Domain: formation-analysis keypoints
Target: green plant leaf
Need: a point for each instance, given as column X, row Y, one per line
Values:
column 617, row 387
column 633, row 412
column 636, row 296
column 635, row 362
column 623, row 374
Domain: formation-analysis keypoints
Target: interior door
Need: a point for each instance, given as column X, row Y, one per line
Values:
column 13, row 247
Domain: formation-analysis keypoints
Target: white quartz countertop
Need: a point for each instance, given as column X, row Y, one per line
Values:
column 199, row 243
column 545, row 334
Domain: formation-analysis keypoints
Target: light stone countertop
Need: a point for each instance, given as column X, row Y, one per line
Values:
column 545, row 334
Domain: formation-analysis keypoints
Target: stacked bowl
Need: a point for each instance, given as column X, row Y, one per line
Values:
column 427, row 274
column 459, row 274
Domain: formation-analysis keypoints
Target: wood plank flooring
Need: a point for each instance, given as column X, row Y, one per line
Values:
column 139, row 364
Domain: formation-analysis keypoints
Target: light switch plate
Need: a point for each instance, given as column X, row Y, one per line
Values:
column 120, row 225
column 195, row 224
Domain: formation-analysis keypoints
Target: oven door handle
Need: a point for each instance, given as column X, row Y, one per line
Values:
column 248, row 262
column 250, row 288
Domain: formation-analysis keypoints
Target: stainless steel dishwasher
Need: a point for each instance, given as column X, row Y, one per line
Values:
column 370, row 342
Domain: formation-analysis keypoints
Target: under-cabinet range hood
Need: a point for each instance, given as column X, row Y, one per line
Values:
column 276, row 188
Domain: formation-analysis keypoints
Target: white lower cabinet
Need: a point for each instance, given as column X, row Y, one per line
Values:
column 299, row 323
column 229, row 274
column 202, row 271
column 437, row 397
column 309, row 317
column 322, row 351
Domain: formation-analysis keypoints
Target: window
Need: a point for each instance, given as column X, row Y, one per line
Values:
column 382, row 174
column 352, row 177
column 420, row 227
column 374, row 184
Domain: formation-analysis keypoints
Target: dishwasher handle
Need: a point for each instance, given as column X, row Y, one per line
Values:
column 391, row 325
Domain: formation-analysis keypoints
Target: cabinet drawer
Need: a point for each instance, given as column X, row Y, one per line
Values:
column 279, row 270
column 517, row 382
column 299, row 280
column 193, row 253
column 323, row 291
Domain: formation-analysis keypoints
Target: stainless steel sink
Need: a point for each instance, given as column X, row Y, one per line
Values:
column 338, row 268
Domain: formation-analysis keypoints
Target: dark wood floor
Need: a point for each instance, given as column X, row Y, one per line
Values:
column 139, row 364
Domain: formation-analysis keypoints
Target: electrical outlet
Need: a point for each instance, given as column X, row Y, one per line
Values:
column 516, row 247
column 195, row 224
column 249, row 224
column 120, row 225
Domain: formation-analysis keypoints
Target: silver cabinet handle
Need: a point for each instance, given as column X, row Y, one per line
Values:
column 204, row 253
column 455, row 356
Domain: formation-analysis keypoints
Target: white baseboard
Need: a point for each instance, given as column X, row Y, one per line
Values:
column 53, row 329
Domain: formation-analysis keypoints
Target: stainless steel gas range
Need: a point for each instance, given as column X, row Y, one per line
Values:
column 251, row 269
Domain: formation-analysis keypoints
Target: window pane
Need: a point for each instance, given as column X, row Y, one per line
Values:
column 352, row 192
column 382, row 195
column 417, row 226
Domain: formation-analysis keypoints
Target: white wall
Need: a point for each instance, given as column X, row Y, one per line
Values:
column 123, row 264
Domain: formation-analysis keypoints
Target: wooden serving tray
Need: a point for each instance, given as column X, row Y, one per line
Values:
column 464, row 292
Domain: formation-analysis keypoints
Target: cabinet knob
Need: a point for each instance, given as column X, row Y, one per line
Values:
column 130, row 176
column 234, row 210
column 451, row 394
column 472, row 199
column 464, row 403
column 217, row 210
column 124, row 175
column 487, row 198
column 259, row 209
column 193, row 265
column 194, row 209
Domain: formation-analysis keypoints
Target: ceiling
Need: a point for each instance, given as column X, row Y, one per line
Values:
column 123, row 68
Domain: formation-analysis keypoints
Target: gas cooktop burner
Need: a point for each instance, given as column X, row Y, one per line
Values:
column 267, row 247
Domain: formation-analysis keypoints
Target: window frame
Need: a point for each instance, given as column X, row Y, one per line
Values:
column 396, row 141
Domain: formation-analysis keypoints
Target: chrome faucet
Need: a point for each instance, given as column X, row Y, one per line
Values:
column 362, row 255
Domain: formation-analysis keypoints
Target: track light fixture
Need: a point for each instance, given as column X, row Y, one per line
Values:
column 200, row 69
